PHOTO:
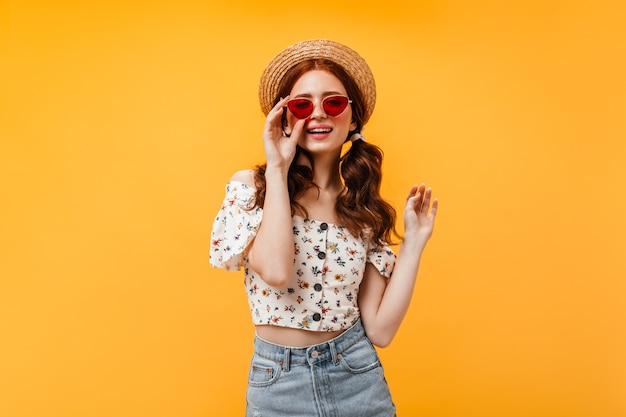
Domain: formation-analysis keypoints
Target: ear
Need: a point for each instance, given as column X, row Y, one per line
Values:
column 352, row 126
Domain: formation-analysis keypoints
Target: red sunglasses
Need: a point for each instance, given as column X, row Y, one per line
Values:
column 303, row 107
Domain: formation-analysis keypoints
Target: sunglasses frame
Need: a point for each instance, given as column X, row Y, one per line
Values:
column 313, row 105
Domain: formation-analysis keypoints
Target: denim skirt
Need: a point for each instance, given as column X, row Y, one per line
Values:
column 342, row 377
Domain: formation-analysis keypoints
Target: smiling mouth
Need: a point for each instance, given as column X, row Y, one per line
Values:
column 319, row 130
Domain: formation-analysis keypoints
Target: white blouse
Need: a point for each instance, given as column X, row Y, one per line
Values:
column 328, row 266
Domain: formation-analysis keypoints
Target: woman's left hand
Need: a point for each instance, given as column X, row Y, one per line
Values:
column 419, row 214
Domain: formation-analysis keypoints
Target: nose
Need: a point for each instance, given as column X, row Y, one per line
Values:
column 318, row 110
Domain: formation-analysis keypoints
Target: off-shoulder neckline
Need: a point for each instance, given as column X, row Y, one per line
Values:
column 305, row 219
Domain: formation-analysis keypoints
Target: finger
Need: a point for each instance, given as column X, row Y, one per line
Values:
column 297, row 130
column 412, row 192
column 280, row 105
column 417, row 192
column 433, row 211
column 412, row 203
column 422, row 188
column 420, row 197
column 277, row 111
column 426, row 202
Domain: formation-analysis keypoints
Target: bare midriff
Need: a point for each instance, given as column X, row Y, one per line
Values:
column 287, row 336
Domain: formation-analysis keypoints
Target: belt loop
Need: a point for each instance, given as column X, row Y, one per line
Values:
column 333, row 352
column 287, row 359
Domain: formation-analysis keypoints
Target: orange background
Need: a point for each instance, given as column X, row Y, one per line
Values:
column 120, row 123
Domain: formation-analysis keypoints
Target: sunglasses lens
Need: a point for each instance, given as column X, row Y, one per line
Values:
column 335, row 105
column 300, row 107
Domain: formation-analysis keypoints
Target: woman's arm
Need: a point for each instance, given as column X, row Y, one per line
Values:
column 271, row 253
column 384, row 303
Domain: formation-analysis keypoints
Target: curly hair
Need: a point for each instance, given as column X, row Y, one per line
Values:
column 359, row 207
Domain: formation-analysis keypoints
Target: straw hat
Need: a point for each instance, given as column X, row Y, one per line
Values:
column 347, row 58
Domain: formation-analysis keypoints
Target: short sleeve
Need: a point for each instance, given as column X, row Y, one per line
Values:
column 383, row 258
column 234, row 227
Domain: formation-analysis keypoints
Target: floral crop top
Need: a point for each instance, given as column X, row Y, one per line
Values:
column 328, row 267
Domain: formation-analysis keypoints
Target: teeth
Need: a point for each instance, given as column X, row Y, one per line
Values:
column 320, row 130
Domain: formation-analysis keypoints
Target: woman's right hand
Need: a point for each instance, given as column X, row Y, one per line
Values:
column 280, row 148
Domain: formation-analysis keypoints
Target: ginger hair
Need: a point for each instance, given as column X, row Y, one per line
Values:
column 359, row 207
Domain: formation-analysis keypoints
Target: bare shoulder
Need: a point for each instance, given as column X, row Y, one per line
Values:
column 246, row 176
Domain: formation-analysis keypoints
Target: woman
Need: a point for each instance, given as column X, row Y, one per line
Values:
column 313, row 233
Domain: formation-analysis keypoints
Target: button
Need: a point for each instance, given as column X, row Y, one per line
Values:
column 315, row 354
column 321, row 255
column 317, row 287
column 324, row 226
column 317, row 317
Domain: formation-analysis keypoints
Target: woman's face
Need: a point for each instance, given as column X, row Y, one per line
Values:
column 322, row 133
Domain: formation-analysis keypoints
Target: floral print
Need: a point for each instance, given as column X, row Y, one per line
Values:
column 328, row 266
column 234, row 227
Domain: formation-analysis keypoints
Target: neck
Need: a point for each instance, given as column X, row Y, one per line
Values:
column 326, row 173
column 328, row 183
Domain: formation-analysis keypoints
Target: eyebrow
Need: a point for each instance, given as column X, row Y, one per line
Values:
column 324, row 94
